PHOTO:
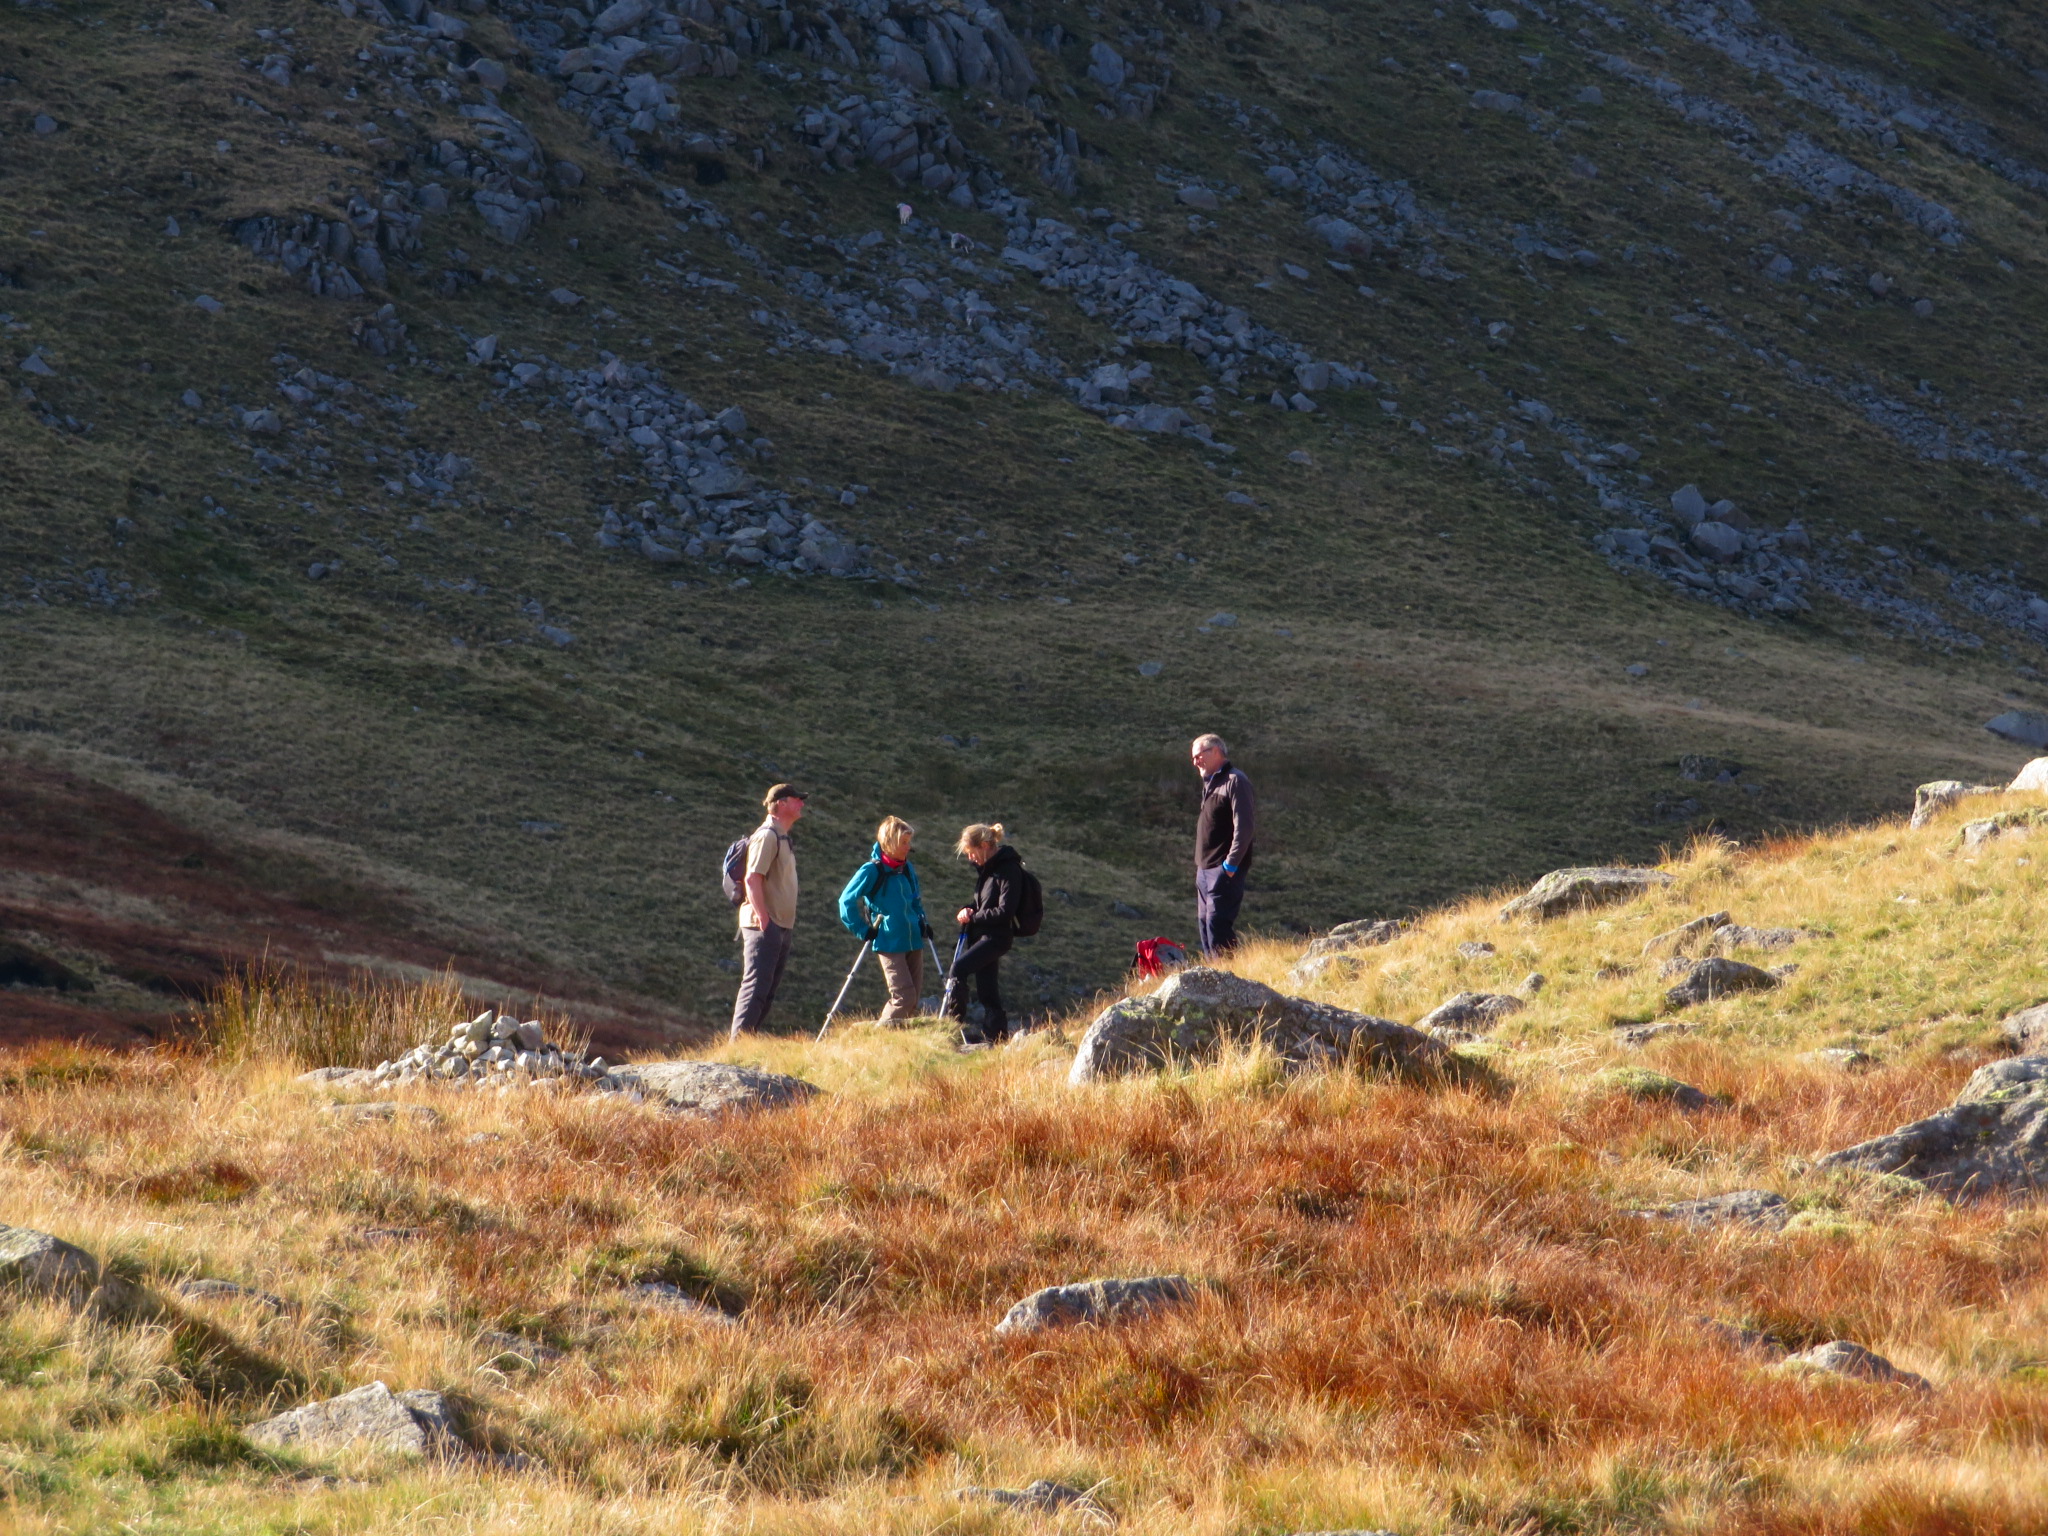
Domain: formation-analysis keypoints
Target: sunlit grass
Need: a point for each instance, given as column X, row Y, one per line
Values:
column 1420, row 1307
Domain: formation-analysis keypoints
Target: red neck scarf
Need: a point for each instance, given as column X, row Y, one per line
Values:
column 894, row 866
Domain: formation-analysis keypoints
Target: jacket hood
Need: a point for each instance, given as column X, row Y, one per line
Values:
column 1003, row 855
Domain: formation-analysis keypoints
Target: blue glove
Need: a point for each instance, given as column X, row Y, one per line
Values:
column 1230, row 869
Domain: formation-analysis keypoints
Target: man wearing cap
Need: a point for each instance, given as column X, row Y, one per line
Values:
column 1223, row 844
column 769, row 912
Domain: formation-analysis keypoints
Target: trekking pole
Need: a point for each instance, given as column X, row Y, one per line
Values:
column 946, row 992
column 937, row 969
column 844, row 987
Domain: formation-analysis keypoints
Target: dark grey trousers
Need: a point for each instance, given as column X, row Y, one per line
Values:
column 1217, row 899
column 767, row 950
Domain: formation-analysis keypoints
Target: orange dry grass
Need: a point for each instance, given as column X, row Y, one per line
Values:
column 1438, row 1287
column 1423, row 1308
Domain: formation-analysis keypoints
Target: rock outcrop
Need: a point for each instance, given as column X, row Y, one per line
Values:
column 1930, row 800
column 2027, row 1030
column 228, row 1290
column 1749, row 1207
column 1573, row 890
column 1334, row 957
column 2032, row 779
column 1095, row 1301
column 1840, row 1357
column 1994, row 1137
column 1044, row 1497
column 2006, row 824
column 43, row 1266
column 714, row 1087
column 1323, row 970
column 1192, row 1014
column 511, row 1351
column 416, row 1423
column 666, row 1297
column 1683, row 938
column 1470, row 1013
column 1362, row 934
column 1739, row 936
column 1641, row 1083
column 1715, row 977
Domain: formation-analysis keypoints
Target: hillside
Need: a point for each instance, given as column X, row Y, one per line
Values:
column 1447, row 1302
column 470, row 453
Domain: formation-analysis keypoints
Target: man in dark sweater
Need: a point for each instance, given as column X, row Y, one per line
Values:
column 1223, row 844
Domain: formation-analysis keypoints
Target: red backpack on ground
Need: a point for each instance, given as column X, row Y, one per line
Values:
column 1157, row 956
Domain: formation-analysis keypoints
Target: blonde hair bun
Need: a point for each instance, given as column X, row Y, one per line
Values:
column 980, row 835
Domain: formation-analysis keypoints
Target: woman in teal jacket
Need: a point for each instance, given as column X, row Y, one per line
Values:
column 882, row 904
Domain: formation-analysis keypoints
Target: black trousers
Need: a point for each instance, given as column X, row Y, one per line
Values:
column 979, row 958
column 1217, row 899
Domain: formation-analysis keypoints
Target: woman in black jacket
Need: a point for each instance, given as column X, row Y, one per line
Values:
column 986, row 929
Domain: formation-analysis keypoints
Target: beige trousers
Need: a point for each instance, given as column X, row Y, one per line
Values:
column 905, row 975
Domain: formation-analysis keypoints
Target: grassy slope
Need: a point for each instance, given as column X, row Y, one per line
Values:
column 1429, row 1310
column 1449, row 709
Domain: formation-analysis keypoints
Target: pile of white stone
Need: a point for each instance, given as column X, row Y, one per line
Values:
column 498, row 1052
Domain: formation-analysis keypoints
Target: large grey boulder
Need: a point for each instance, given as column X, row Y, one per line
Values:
column 714, row 1087
column 1096, row 1301
column 1573, row 890
column 1840, row 1357
column 1715, row 540
column 1750, row 1207
column 1929, row 800
column 1193, row 1013
column 1717, row 976
column 1994, row 1137
column 2021, row 725
column 2031, row 779
column 416, row 1423
column 45, row 1266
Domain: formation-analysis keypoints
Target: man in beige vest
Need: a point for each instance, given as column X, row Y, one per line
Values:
column 769, row 912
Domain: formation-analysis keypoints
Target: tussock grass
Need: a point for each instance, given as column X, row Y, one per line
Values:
column 274, row 1012
column 1426, row 1308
